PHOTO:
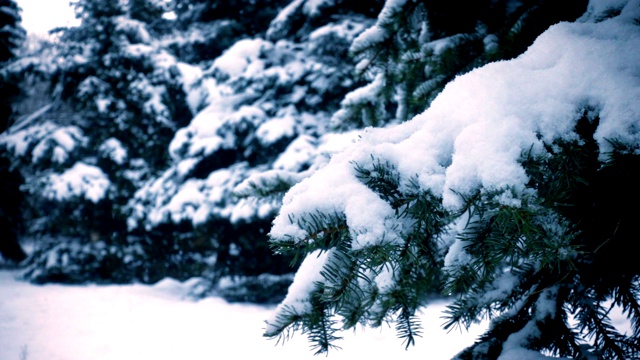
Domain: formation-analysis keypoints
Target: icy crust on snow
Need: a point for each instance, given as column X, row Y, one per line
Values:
column 474, row 133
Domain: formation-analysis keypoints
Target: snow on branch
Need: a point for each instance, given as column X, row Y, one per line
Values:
column 82, row 180
column 470, row 142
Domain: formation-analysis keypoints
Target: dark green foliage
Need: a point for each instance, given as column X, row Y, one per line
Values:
column 267, row 116
column 584, row 267
column 120, row 79
column 97, row 26
column 210, row 40
column 242, row 249
column 151, row 13
column 252, row 16
column 545, row 263
column 106, row 77
column 76, row 262
column 11, row 32
column 560, row 253
column 214, row 26
column 348, row 288
column 262, row 289
column 146, row 259
column 426, row 44
column 11, row 197
column 318, row 325
column 304, row 16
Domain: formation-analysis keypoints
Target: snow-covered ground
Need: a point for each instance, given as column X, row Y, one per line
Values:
column 139, row 322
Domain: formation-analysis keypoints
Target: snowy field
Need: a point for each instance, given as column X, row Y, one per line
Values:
column 59, row 322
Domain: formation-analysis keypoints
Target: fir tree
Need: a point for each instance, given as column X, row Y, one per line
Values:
column 262, row 128
column 116, row 101
column 207, row 27
column 252, row 16
column 506, row 194
column 417, row 47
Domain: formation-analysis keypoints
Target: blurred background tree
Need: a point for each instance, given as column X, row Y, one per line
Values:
column 11, row 37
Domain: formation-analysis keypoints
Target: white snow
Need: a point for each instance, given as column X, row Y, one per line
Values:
column 133, row 322
column 113, row 149
column 296, row 154
column 82, row 180
column 240, row 109
column 191, row 76
column 237, row 59
column 298, row 300
column 201, row 136
column 46, row 141
column 279, row 25
column 345, row 29
column 154, row 105
column 368, row 93
column 275, row 129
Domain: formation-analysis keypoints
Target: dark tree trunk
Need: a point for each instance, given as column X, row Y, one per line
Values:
column 10, row 212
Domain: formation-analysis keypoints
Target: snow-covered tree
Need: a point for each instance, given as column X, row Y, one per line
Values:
column 513, row 193
column 206, row 28
column 149, row 12
column 417, row 47
column 251, row 15
column 267, row 107
column 116, row 102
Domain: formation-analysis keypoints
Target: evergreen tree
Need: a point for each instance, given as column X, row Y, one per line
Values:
column 263, row 128
column 11, row 37
column 417, row 47
column 507, row 193
column 149, row 12
column 117, row 98
column 251, row 15
column 207, row 28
